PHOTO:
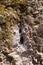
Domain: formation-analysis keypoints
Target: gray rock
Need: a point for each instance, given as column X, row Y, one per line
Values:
column 40, row 30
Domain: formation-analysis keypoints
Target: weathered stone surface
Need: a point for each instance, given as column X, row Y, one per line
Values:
column 40, row 30
column 21, row 32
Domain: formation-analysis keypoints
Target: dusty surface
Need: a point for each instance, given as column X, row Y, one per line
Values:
column 21, row 32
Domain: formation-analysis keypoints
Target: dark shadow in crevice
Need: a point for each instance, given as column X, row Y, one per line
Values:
column 21, row 34
column 21, row 39
column 22, row 8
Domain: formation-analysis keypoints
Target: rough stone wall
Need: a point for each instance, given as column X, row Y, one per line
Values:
column 21, row 32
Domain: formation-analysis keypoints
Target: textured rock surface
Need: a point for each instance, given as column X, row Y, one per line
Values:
column 21, row 32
